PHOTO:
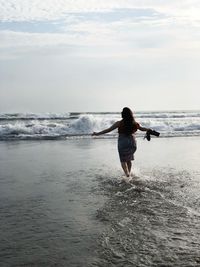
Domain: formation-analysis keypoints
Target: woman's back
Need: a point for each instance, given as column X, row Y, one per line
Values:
column 122, row 128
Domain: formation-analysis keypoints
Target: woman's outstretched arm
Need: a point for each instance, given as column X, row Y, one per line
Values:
column 111, row 128
column 143, row 129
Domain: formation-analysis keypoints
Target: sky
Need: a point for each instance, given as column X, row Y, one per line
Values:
column 99, row 55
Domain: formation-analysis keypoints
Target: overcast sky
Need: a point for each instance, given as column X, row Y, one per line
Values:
column 99, row 55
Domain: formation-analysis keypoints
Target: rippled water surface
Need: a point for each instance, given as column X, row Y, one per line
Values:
column 47, row 209
column 64, row 203
column 148, row 225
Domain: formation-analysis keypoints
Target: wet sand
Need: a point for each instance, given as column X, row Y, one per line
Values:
column 63, row 203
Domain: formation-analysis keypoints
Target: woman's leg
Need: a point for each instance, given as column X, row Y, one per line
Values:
column 125, row 168
column 129, row 164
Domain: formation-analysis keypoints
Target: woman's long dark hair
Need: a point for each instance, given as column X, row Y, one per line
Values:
column 129, row 120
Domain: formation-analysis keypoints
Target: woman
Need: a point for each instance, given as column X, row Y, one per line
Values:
column 126, row 140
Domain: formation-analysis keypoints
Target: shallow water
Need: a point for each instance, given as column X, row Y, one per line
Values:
column 63, row 203
column 149, row 223
column 47, row 209
column 154, row 220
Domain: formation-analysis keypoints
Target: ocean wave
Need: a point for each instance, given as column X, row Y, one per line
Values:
column 167, row 114
column 33, row 116
column 37, row 129
column 55, row 126
column 76, row 115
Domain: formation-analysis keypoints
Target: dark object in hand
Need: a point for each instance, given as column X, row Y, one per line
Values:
column 151, row 132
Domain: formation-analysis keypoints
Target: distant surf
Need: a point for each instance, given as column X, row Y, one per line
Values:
column 47, row 126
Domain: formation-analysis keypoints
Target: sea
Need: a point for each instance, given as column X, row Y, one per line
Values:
column 35, row 126
column 65, row 202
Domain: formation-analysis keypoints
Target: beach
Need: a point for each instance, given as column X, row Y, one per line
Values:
column 64, row 203
column 82, row 82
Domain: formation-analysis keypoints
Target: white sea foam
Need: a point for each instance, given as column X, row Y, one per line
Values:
column 31, row 116
column 48, row 125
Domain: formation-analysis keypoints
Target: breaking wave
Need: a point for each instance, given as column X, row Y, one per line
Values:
column 22, row 126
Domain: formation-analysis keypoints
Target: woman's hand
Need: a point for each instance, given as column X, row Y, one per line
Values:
column 111, row 128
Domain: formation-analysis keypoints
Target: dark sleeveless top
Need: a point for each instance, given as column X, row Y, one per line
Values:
column 122, row 130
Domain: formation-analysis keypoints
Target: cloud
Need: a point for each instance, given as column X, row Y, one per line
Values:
column 75, row 20
column 107, row 28
column 22, row 10
column 118, row 27
column 16, row 39
column 37, row 10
